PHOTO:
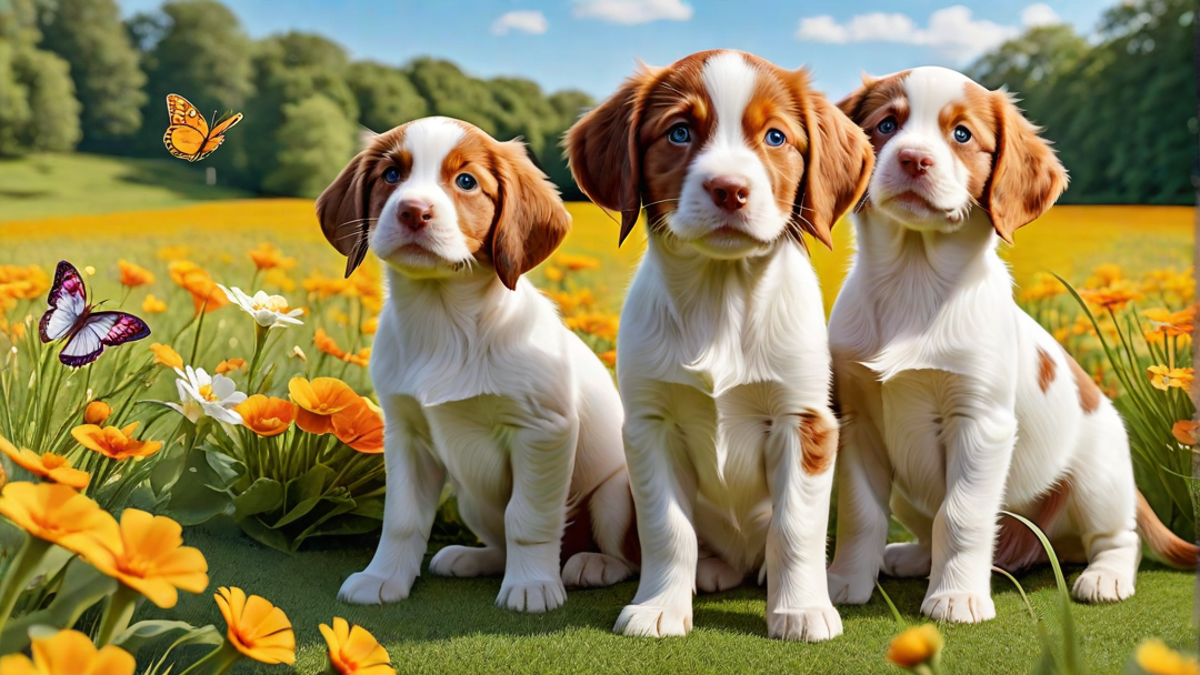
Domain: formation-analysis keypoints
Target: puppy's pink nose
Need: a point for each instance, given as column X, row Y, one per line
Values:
column 915, row 162
column 728, row 192
column 415, row 214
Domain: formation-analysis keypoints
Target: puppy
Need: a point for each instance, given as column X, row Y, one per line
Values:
column 955, row 403
column 722, row 360
column 479, row 380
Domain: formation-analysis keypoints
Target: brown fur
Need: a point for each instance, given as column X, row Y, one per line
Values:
column 1165, row 545
column 873, row 102
column 1026, row 177
column 1046, row 370
column 1017, row 547
column 818, row 444
column 531, row 221
column 977, row 115
column 1089, row 394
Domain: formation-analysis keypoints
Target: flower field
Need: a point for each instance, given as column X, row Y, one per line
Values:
column 246, row 421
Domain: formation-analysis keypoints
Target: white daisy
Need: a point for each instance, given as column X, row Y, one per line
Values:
column 201, row 395
column 269, row 311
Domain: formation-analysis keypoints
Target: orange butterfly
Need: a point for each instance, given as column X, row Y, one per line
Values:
column 189, row 136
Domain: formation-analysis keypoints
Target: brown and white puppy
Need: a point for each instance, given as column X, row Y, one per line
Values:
column 722, row 359
column 955, row 403
column 479, row 380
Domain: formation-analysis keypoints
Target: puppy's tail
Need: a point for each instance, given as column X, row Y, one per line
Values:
column 1162, row 542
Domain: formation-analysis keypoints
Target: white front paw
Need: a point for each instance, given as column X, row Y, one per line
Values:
column 593, row 570
column 955, row 607
column 367, row 588
column 535, row 596
column 804, row 625
column 850, row 589
column 1102, row 585
column 906, row 561
column 650, row 621
column 467, row 561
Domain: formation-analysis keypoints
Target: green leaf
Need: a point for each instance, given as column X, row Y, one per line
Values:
column 82, row 587
column 228, row 468
column 143, row 633
column 263, row 495
column 199, row 494
column 256, row 530
column 304, row 493
column 166, row 472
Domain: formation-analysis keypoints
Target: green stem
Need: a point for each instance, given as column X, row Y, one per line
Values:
column 23, row 566
column 199, row 328
column 260, row 339
column 117, row 614
column 216, row 662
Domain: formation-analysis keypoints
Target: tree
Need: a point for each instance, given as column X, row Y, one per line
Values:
column 103, row 66
column 386, row 98
column 38, row 108
column 320, row 140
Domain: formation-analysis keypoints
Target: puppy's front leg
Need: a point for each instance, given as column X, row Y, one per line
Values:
column 662, row 494
column 799, row 460
column 543, row 457
column 864, row 487
column 979, row 447
column 414, row 486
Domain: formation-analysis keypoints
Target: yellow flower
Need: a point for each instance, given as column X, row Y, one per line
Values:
column 229, row 365
column 1156, row 658
column 576, row 263
column 603, row 326
column 97, row 412
column 113, row 442
column 1046, row 286
column 1171, row 324
column 354, row 651
column 152, row 305
column 257, row 628
column 325, row 287
column 569, row 303
column 134, row 275
column 23, row 283
column 276, row 277
column 319, row 401
column 370, row 326
column 51, row 466
column 609, row 358
column 1184, row 431
column 57, row 514
column 339, row 317
column 1104, row 275
column 915, row 646
column 1113, row 298
column 267, row 256
column 1165, row 378
column 266, row 416
column 164, row 355
column 147, row 554
column 171, row 253
column 69, row 652
column 554, row 274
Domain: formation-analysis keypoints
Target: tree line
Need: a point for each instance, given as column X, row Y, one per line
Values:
column 74, row 75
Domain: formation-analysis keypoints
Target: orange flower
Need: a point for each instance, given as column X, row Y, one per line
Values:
column 576, row 263
column 49, row 465
column 1155, row 658
column 360, row 427
column 1170, row 323
column 229, row 365
column 113, row 442
column 569, row 303
column 177, row 252
column 69, row 652
column 56, row 513
column 354, row 651
column 278, row 278
column 97, row 412
column 147, row 554
column 915, row 646
column 134, row 275
column 370, row 325
column 1184, row 431
column 319, row 401
column 267, row 256
column 554, row 274
column 266, row 416
column 23, row 283
column 327, row 344
column 152, row 305
column 325, row 287
column 609, row 358
column 603, row 326
column 1165, row 378
column 257, row 628
column 206, row 294
column 362, row 358
column 164, row 355
column 1112, row 298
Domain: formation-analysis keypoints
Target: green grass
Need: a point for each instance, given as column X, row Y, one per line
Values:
column 53, row 185
column 451, row 625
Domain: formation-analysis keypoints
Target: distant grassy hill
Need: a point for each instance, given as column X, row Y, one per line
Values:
column 67, row 184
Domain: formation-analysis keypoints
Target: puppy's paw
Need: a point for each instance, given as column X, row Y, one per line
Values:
column 534, row 597
column 804, row 625
column 955, row 607
column 593, row 570
column 714, row 576
column 366, row 588
column 1102, row 585
column 906, row 561
column 467, row 561
column 650, row 621
column 850, row 589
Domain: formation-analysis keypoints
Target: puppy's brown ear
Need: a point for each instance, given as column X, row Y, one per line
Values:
column 531, row 220
column 343, row 210
column 852, row 105
column 604, row 154
column 837, row 165
column 1027, row 177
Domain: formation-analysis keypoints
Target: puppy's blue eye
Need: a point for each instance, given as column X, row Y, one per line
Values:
column 775, row 138
column 962, row 134
column 466, row 181
column 887, row 126
column 392, row 175
column 679, row 134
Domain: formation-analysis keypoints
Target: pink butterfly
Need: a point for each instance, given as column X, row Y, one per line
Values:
column 87, row 333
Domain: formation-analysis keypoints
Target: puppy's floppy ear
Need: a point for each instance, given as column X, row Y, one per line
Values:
column 837, row 165
column 604, row 153
column 343, row 210
column 530, row 221
column 851, row 106
column 1026, row 177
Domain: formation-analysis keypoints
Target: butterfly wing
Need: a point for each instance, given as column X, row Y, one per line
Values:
column 100, row 330
column 217, row 136
column 188, row 131
column 67, row 302
column 183, row 112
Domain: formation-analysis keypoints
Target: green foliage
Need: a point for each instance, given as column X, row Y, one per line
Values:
column 38, row 109
column 386, row 98
column 104, row 66
column 317, row 140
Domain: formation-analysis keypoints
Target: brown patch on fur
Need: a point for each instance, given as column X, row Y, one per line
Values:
column 976, row 114
column 1161, row 541
column 818, row 444
column 358, row 192
column 476, row 208
column 1017, row 547
column 873, row 102
column 1026, row 176
column 1046, row 370
column 531, row 220
column 1089, row 394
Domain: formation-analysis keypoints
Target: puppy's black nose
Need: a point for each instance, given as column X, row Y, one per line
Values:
column 728, row 192
column 415, row 214
column 915, row 162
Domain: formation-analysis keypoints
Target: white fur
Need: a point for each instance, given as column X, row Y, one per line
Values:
column 719, row 352
column 485, row 387
column 944, row 421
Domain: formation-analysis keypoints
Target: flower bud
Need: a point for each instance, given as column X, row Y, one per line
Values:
column 97, row 412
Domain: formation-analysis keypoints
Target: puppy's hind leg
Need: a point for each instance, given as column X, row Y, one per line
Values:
column 610, row 511
column 487, row 522
column 909, row 560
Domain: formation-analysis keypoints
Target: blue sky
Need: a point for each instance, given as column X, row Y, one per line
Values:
column 592, row 44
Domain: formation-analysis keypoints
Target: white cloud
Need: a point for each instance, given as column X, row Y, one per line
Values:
column 953, row 31
column 630, row 12
column 530, row 21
